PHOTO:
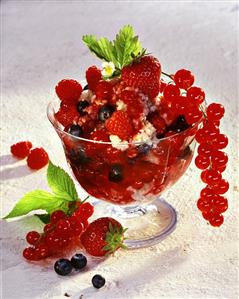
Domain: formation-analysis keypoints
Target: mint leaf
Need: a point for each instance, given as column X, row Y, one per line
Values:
column 35, row 200
column 126, row 46
column 61, row 183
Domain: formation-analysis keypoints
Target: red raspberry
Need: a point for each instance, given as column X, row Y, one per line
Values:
column 68, row 90
column 21, row 149
column 104, row 90
column 37, row 158
column 135, row 106
column 93, row 76
column 143, row 74
column 67, row 114
column 120, row 124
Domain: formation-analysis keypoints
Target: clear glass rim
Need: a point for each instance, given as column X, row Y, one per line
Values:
column 54, row 122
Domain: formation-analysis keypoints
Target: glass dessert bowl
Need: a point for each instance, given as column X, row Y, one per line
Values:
column 129, row 178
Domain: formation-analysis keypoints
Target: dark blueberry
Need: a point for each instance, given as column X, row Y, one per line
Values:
column 116, row 173
column 63, row 267
column 86, row 87
column 179, row 125
column 77, row 156
column 105, row 112
column 81, row 107
column 98, row 281
column 78, row 261
column 144, row 148
column 75, row 130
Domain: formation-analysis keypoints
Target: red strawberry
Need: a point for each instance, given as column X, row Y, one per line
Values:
column 144, row 75
column 103, row 236
column 68, row 90
column 21, row 149
column 135, row 107
column 93, row 76
column 120, row 124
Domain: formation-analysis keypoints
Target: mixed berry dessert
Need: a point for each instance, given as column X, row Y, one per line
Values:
column 129, row 131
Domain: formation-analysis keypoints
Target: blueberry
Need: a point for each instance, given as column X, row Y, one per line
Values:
column 98, row 281
column 105, row 112
column 144, row 148
column 81, row 107
column 75, row 130
column 63, row 267
column 116, row 173
column 78, row 261
column 77, row 156
column 86, row 87
column 179, row 125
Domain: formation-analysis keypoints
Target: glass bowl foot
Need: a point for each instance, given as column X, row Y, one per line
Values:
column 147, row 225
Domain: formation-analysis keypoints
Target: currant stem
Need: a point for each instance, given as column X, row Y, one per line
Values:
column 165, row 74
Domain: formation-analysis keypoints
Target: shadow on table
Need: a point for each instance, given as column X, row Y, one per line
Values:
column 7, row 160
column 14, row 172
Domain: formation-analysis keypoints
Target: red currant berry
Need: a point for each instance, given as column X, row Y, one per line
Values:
column 204, row 205
column 33, row 237
column 48, row 228
column 207, row 193
column 53, row 241
column 220, row 141
column 41, row 251
column 57, row 215
column 204, row 150
column 193, row 115
column 162, row 86
column 220, row 204
column 196, row 95
column 28, row 253
column 200, row 136
column 216, row 219
column 203, row 176
column 171, row 92
column 221, row 169
column 202, row 162
column 212, row 177
column 221, row 187
column 215, row 112
column 76, row 225
column 210, row 131
column 219, row 159
column 63, row 227
column 183, row 79
column 85, row 210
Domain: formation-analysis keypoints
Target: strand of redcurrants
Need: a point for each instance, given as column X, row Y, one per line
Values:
column 210, row 159
column 62, row 232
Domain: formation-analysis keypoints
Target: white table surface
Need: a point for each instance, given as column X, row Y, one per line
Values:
column 41, row 44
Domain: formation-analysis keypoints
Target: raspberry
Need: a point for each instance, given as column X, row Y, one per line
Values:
column 68, row 90
column 93, row 76
column 21, row 149
column 143, row 74
column 120, row 124
column 104, row 90
column 67, row 114
column 37, row 158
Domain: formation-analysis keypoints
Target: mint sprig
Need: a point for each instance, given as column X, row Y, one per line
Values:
column 63, row 192
column 121, row 51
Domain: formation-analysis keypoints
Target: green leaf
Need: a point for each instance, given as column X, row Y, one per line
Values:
column 35, row 200
column 45, row 218
column 121, row 51
column 127, row 45
column 61, row 183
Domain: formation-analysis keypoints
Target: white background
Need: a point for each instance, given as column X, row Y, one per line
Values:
column 41, row 44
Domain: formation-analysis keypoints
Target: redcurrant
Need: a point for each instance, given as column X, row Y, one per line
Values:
column 57, row 215
column 202, row 162
column 183, row 79
column 33, row 237
column 196, row 95
column 215, row 112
